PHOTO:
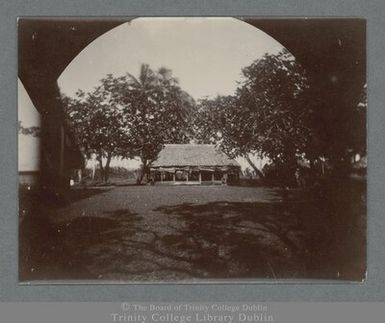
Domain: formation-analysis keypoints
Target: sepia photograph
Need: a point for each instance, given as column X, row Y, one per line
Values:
column 190, row 150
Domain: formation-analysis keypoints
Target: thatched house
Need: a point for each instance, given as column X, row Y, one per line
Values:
column 194, row 164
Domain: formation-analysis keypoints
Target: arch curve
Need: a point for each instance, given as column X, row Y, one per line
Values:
column 333, row 51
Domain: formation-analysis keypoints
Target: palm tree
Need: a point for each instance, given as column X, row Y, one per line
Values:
column 147, row 81
column 159, row 112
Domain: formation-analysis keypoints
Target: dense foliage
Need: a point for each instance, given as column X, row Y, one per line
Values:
column 276, row 112
column 131, row 116
column 266, row 116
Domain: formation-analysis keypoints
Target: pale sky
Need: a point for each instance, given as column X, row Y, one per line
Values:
column 205, row 54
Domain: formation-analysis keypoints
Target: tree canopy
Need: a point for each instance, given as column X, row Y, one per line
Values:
column 266, row 115
column 131, row 116
column 277, row 113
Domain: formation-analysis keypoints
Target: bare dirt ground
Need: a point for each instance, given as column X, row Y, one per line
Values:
column 180, row 233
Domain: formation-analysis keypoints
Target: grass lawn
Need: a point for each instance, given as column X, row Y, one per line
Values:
column 177, row 233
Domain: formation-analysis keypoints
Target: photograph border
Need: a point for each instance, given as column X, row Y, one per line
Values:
column 371, row 290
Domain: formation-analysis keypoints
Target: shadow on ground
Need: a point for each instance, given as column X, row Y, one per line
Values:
column 290, row 239
column 295, row 238
column 84, row 193
column 217, row 240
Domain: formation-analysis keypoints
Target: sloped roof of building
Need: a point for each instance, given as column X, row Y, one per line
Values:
column 192, row 155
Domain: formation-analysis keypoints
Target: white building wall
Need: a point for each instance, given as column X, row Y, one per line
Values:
column 28, row 145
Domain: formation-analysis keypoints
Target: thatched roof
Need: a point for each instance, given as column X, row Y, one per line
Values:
column 176, row 155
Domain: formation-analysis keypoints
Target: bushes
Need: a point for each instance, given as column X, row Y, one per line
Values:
column 116, row 175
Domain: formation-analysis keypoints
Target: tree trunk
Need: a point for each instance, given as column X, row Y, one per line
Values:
column 107, row 168
column 93, row 170
column 80, row 177
column 101, row 167
column 104, row 170
column 144, row 170
column 257, row 171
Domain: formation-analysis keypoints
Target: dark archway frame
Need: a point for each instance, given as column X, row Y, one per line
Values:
column 333, row 51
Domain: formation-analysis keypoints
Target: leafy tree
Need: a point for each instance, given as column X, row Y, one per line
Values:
column 212, row 118
column 279, row 113
column 219, row 121
column 271, row 107
column 216, row 122
column 97, row 121
column 156, row 112
column 131, row 116
column 265, row 117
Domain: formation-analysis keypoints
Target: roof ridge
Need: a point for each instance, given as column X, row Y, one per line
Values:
column 193, row 154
